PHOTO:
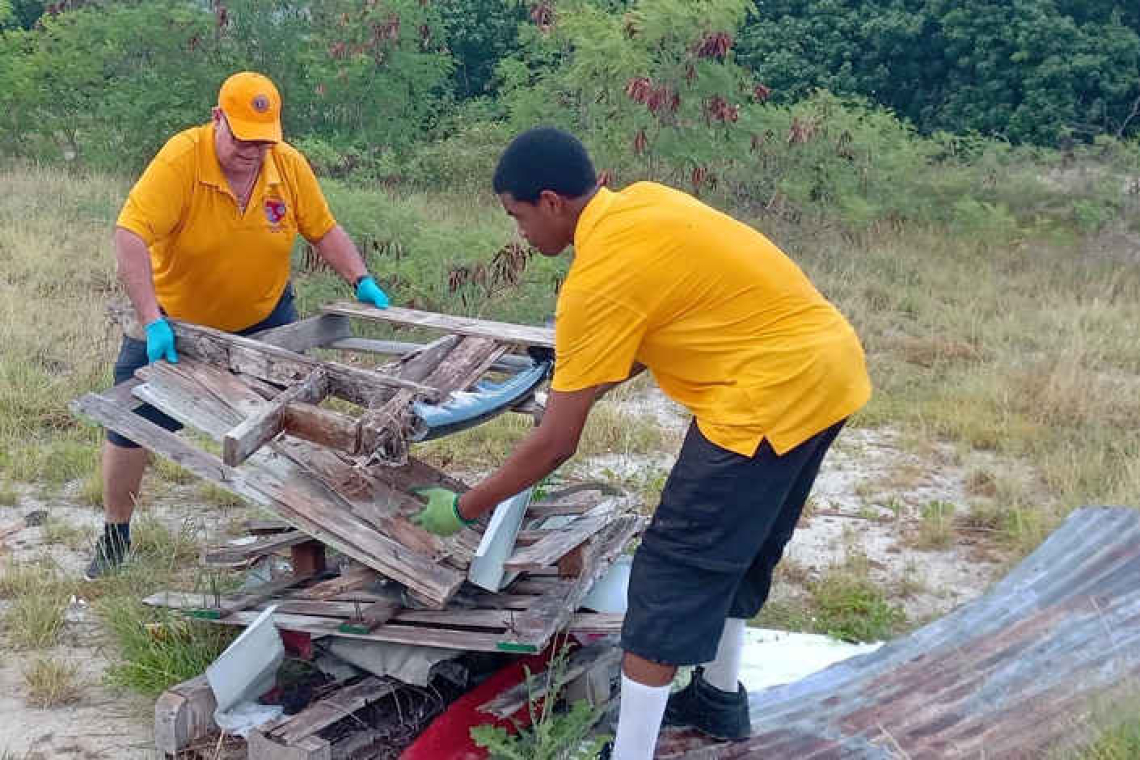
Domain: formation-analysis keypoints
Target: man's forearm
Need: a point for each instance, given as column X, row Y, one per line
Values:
column 532, row 461
column 133, row 265
column 337, row 248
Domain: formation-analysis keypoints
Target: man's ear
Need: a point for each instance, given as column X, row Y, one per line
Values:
column 552, row 201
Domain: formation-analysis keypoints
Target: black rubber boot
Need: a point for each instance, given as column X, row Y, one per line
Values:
column 111, row 552
column 711, row 711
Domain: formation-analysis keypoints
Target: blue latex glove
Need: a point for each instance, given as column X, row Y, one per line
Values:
column 160, row 342
column 367, row 291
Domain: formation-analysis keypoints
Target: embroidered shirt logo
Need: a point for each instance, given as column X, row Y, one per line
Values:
column 274, row 210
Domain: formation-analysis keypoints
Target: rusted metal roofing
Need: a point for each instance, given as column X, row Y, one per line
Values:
column 1010, row 675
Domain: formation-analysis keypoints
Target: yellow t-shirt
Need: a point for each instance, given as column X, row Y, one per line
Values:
column 213, row 266
column 729, row 325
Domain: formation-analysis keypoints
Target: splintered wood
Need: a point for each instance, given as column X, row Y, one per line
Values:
column 346, row 482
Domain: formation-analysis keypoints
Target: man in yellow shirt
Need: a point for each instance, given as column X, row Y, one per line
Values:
column 731, row 329
column 205, row 236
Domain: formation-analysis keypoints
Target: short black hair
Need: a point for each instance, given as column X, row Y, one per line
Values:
column 544, row 158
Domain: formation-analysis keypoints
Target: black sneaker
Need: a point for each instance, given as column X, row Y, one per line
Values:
column 111, row 552
column 606, row 751
column 717, row 713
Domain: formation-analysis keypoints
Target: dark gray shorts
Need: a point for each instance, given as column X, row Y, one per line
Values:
column 714, row 541
column 132, row 356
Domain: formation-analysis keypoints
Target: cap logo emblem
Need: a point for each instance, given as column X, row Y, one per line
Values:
column 261, row 104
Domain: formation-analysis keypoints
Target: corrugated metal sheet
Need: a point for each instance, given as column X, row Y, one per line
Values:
column 1009, row 675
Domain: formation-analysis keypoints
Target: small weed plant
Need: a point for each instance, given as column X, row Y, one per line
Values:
column 553, row 734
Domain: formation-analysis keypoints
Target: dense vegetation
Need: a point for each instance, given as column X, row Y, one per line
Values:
column 374, row 86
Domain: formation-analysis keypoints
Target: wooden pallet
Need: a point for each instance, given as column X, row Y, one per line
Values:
column 522, row 618
column 343, row 480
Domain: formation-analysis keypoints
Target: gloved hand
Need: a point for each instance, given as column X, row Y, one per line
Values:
column 160, row 342
column 367, row 291
column 441, row 515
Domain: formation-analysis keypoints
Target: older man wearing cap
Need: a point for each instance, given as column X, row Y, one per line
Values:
column 205, row 236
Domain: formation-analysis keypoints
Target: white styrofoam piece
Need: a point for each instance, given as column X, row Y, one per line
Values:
column 486, row 569
column 610, row 592
column 776, row 657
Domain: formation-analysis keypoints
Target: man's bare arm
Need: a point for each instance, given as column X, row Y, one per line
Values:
column 337, row 248
column 132, row 260
column 541, row 453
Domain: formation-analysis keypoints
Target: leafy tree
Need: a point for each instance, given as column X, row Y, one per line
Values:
column 1028, row 70
column 478, row 33
column 653, row 84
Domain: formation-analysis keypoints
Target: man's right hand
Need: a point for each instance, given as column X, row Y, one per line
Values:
column 160, row 342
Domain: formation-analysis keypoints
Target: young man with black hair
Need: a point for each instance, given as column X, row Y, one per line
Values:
column 734, row 331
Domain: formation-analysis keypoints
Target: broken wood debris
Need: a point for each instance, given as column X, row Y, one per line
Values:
column 344, row 480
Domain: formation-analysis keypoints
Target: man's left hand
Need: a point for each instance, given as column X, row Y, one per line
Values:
column 367, row 291
column 441, row 515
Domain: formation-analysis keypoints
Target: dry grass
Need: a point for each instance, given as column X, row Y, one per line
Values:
column 58, row 531
column 35, row 621
column 51, row 682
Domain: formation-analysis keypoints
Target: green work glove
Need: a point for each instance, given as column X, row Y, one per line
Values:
column 160, row 342
column 367, row 291
column 441, row 515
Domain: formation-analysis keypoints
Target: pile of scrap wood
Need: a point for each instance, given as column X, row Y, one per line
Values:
column 340, row 475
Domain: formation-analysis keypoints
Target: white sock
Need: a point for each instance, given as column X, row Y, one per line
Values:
column 724, row 671
column 639, row 721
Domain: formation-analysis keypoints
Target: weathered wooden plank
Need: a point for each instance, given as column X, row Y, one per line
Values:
column 307, row 333
column 323, row 427
column 260, row 428
column 546, row 509
column 293, row 500
column 539, row 623
column 255, row 596
column 331, row 709
column 277, row 365
column 183, row 716
column 502, row 331
column 236, row 555
column 385, row 430
column 261, row 747
column 351, row 580
column 505, row 363
column 558, row 543
column 370, row 617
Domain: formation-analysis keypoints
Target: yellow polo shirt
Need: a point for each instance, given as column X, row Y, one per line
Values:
column 213, row 265
column 728, row 324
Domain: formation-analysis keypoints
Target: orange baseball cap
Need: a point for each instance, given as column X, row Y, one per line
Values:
column 252, row 106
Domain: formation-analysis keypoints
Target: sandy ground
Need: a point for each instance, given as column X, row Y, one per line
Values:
column 868, row 499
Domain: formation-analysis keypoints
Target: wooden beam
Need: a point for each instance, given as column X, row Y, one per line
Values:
column 269, row 422
column 501, row 331
column 375, row 614
column 307, row 558
column 329, row 710
column 505, row 363
column 282, row 367
column 237, row 555
column 304, row 334
column 547, row 616
column 351, row 580
column 558, row 543
column 183, row 716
